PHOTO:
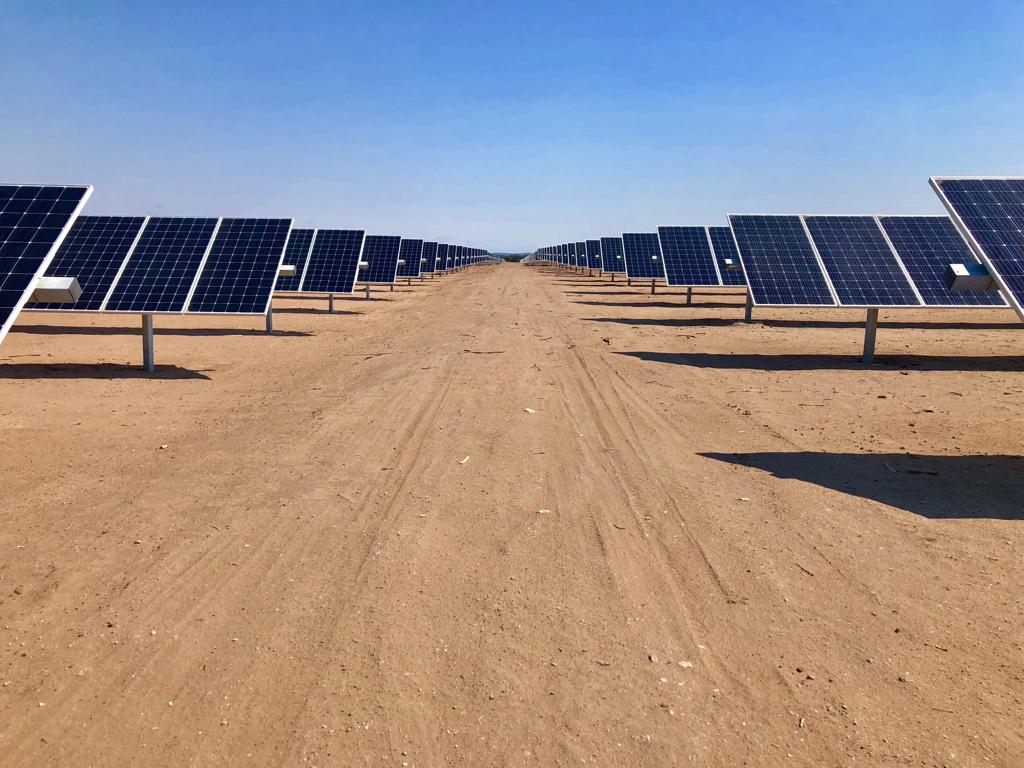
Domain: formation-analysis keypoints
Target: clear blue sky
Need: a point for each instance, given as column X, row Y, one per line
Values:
column 511, row 125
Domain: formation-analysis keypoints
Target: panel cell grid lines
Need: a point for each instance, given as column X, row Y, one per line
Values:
column 594, row 254
column 581, row 254
column 725, row 248
column 642, row 255
column 381, row 254
column 858, row 260
column 611, row 255
column 927, row 245
column 779, row 262
column 300, row 241
column 411, row 251
column 241, row 269
column 333, row 261
column 442, row 257
column 33, row 221
column 688, row 257
column 429, row 257
column 93, row 251
column 990, row 214
column 162, row 268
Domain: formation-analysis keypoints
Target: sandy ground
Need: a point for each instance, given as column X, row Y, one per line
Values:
column 351, row 543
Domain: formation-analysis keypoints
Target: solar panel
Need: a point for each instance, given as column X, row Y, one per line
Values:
column 411, row 251
column 611, row 254
column 594, row 254
column 687, row 256
column 240, row 271
column 333, row 261
column 581, row 254
column 381, row 253
column 93, row 251
column 429, row 257
column 779, row 261
column 642, row 255
column 442, row 257
column 725, row 248
column 300, row 243
column 989, row 212
column 33, row 222
column 927, row 245
column 162, row 268
column 861, row 266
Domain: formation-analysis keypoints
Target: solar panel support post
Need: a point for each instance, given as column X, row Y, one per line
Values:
column 689, row 295
column 330, row 303
column 148, row 360
column 367, row 291
column 870, row 330
column 748, row 310
column 270, row 319
column 652, row 286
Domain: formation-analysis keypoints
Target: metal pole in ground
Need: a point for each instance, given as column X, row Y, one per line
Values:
column 330, row 303
column 689, row 295
column 748, row 311
column 148, row 359
column 367, row 291
column 270, row 319
column 652, row 287
column 870, row 329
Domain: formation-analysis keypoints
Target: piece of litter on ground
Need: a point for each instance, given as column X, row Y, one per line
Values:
column 529, row 410
column 744, row 498
column 163, row 447
column 464, row 460
column 543, row 511
column 422, row 515
column 686, row 664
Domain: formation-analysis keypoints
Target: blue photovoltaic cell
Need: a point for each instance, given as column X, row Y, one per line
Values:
column 927, row 245
column 32, row 222
column 93, row 251
column 858, row 260
column 333, row 261
column 594, row 254
column 725, row 248
column 381, row 253
column 779, row 262
column 611, row 254
column 241, row 270
column 687, row 256
column 991, row 212
column 642, row 255
column 162, row 268
column 297, row 253
column 411, row 251
column 429, row 257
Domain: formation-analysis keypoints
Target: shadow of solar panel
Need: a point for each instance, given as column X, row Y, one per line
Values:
column 333, row 261
column 687, row 256
column 862, row 267
column 33, row 222
column 93, row 252
column 990, row 214
column 927, row 245
column 241, row 269
column 778, row 259
column 296, row 253
column 161, row 270
column 410, row 252
column 381, row 254
column 725, row 248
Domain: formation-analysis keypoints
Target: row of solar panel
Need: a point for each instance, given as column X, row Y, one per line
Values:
column 850, row 261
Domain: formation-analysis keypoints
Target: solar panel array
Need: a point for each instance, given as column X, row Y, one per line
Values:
column 611, row 255
column 300, row 243
column 429, row 257
column 594, row 254
column 93, row 251
column 688, row 257
column 333, row 261
column 34, row 220
column 989, row 212
column 643, row 256
column 409, row 254
column 381, row 254
column 725, row 252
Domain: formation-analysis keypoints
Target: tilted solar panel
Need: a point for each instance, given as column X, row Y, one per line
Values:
column 410, row 252
column 442, row 257
column 989, row 212
column 93, row 251
column 611, row 255
column 162, row 268
column 688, row 257
column 581, row 254
column 300, row 242
column 779, row 261
column 927, row 245
column 429, row 257
column 333, row 261
column 725, row 248
column 861, row 266
column 34, row 220
column 643, row 256
column 381, row 253
column 241, row 268
column 594, row 254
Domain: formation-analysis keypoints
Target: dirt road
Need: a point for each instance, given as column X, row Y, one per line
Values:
column 513, row 516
